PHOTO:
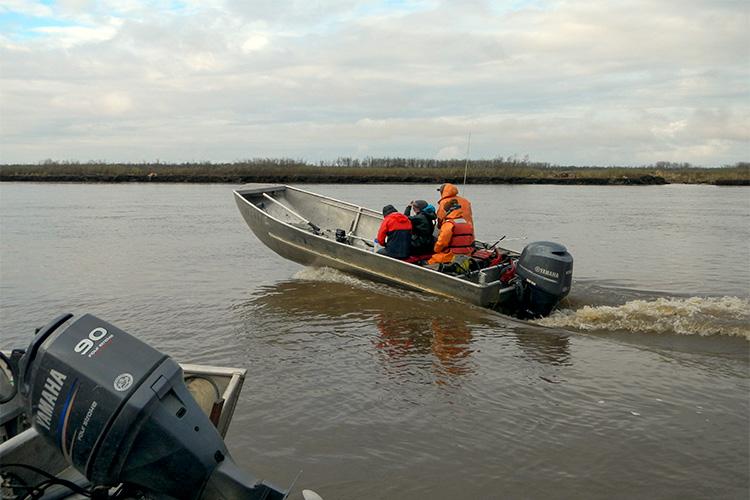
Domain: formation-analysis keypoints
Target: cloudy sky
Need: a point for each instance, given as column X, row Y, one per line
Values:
column 578, row 82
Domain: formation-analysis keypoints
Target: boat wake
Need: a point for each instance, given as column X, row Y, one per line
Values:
column 330, row 275
column 702, row 316
column 695, row 316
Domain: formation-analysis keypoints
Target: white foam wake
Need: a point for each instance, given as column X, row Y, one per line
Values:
column 329, row 275
column 684, row 316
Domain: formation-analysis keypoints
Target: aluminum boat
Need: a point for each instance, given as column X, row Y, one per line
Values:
column 319, row 231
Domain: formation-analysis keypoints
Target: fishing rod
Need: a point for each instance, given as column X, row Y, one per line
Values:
column 315, row 228
column 343, row 237
column 466, row 164
column 498, row 241
column 504, row 238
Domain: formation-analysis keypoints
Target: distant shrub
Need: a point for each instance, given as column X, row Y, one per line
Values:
column 496, row 170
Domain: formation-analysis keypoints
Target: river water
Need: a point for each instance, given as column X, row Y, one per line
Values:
column 638, row 388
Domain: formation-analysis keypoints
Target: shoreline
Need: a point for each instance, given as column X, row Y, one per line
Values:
column 640, row 180
column 375, row 171
column 329, row 179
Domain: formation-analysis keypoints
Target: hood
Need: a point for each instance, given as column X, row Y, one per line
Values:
column 449, row 191
column 456, row 214
column 429, row 214
column 398, row 216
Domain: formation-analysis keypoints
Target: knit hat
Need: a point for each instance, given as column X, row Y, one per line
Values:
column 388, row 209
column 419, row 205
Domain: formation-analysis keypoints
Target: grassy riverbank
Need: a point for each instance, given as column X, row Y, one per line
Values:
column 375, row 170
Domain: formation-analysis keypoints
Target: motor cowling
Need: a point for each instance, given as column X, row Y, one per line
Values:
column 546, row 272
column 119, row 412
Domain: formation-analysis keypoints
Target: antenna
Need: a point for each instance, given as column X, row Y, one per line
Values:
column 466, row 165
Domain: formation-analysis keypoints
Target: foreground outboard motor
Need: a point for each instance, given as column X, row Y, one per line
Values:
column 546, row 272
column 119, row 412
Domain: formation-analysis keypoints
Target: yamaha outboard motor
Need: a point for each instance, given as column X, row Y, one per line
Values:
column 119, row 412
column 546, row 272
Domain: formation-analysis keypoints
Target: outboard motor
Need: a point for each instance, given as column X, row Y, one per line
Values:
column 546, row 272
column 119, row 412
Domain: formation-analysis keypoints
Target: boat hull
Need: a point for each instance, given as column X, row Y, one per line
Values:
column 300, row 245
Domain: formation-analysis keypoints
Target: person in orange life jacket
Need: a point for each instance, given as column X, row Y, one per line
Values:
column 456, row 235
column 449, row 192
column 394, row 234
column 422, row 227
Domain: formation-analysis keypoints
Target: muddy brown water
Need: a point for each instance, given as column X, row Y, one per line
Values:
column 638, row 388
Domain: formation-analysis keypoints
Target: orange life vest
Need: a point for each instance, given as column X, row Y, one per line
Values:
column 462, row 239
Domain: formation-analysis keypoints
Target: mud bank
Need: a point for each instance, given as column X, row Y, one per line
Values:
column 642, row 180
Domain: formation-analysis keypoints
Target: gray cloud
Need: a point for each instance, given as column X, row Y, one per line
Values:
column 568, row 82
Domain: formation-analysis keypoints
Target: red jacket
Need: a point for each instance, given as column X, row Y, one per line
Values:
column 395, row 221
column 395, row 235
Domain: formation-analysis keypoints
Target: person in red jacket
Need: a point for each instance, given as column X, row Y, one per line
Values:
column 449, row 192
column 394, row 234
column 456, row 235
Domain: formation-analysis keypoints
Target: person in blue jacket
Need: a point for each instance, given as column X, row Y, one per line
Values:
column 422, row 227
